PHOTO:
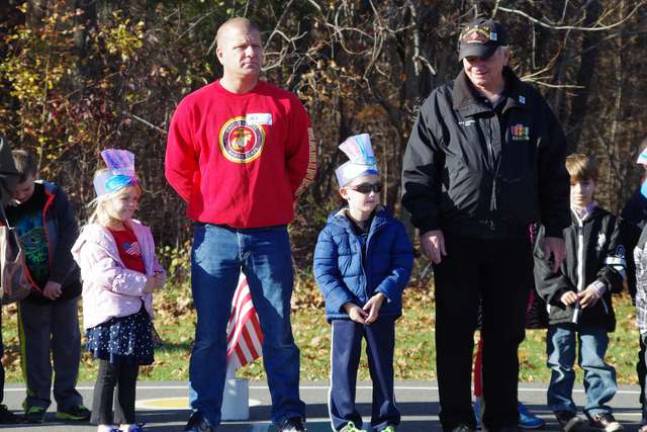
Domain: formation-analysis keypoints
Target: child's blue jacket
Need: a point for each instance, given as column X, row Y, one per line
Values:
column 343, row 277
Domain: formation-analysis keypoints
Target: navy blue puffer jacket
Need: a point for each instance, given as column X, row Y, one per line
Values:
column 343, row 276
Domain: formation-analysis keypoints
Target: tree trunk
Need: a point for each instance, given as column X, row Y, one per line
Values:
column 588, row 61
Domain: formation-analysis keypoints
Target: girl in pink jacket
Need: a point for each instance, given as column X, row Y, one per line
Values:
column 116, row 254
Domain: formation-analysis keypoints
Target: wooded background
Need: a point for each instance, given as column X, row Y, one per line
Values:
column 78, row 76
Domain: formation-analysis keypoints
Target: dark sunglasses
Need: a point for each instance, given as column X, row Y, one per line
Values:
column 365, row 188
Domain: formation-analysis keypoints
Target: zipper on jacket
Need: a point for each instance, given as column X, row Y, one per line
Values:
column 494, row 166
column 368, row 242
column 604, row 304
column 580, row 265
column 361, row 264
column 48, row 203
column 493, row 206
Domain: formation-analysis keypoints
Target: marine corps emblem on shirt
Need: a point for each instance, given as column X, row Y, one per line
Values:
column 520, row 132
column 241, row 141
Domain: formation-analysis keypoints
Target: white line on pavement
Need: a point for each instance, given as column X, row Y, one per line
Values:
column 322, row 387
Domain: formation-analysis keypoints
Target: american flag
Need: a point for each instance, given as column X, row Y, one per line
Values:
column 244, row 334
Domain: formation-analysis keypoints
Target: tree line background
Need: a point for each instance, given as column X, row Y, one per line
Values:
column 78, row 76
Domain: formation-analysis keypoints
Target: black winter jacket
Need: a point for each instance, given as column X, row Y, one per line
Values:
column 593, row 243
column 483, row 171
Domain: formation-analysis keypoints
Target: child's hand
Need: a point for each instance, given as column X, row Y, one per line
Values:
column 154, row 282
column 355, row 313
column 590, row 296
column 372, row 307
column 52, row 290
column 569, row 298
column 161, row 279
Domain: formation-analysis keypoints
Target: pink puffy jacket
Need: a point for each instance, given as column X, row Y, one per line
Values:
column 110, row 289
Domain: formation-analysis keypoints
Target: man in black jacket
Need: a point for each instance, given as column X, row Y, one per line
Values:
column 484, row 160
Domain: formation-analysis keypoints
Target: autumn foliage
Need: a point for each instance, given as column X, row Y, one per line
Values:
column 79, row 76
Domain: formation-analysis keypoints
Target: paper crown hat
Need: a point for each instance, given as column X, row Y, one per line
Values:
column 120, row 172
column 642, row 157
column 362, row 160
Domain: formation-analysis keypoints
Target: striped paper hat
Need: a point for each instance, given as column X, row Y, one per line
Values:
column 642, row 158
column 362, row 160
column 120, row 172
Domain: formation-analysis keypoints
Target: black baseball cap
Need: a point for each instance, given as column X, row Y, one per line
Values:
column 480, row 38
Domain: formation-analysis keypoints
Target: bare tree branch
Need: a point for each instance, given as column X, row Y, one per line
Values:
column 567, row 27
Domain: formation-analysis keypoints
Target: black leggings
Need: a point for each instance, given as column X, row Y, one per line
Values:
column 122, row 376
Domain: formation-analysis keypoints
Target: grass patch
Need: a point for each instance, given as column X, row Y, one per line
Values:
column 415, row 352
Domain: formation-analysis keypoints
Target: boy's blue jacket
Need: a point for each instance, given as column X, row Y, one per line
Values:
column 343, row 277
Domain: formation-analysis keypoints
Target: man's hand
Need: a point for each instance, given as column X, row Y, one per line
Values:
column 433, row 244
column 355, row 313
column 372, row 307
column 554, row 246
column 52, row 290
column 569, row 298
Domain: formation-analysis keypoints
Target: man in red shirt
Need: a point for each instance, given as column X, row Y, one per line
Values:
column 239, row 151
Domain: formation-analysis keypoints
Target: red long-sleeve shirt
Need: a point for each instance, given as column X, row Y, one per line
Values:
column 240, row 159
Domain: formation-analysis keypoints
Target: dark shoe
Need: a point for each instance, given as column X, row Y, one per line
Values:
column 605, row 422
column 570, row 422
column 7, row 417
column 35, row 414
column 77, row 413
column 292, row 424
column 197, row 423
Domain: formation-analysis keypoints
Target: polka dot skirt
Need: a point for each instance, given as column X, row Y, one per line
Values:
column 124, row 339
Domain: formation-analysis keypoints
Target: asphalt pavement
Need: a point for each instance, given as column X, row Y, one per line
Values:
column 163, row 407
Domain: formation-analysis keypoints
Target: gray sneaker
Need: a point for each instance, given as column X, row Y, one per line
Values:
column 605, row 422
column 571, row 422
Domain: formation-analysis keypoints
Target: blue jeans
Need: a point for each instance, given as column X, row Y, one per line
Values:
column 599, row 378
column 263, row 254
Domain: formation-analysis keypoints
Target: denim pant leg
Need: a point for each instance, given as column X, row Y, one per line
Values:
column 267, row 263
column 560, row 344
column 599, row 377
column 215, row 267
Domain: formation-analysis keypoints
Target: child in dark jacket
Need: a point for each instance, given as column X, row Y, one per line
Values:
column 49, row 323
column 362, row 262
column 579, row 302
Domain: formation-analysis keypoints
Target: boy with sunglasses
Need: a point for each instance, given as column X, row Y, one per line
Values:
column 362, row 262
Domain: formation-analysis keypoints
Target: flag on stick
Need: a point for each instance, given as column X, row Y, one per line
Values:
column 244, row 334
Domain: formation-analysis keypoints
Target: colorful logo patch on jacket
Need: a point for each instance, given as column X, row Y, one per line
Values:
column 520, row 132
column 241, row 141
